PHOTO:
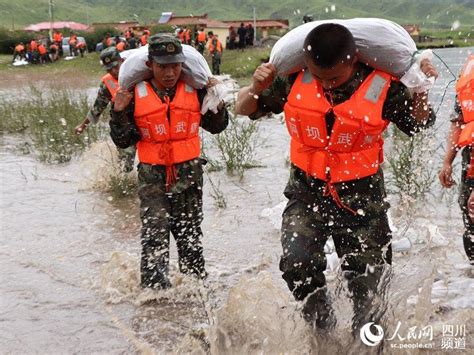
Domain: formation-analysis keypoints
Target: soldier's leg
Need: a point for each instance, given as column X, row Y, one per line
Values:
column 468, row 237
column 154, row 213
column 186, row 228
column 366, row 255
column 303, row 261
column 127, row 158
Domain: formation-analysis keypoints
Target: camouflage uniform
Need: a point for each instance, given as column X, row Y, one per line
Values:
column 104, row 97
column 216, row 57
column 312, row 216
column 465, row 189
column 177, row 210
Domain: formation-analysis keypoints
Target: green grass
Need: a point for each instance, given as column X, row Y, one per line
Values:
column 48, row 121
column 241, row 65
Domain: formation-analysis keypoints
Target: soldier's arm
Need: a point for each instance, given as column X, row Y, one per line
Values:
column 213, row 122
column 123, row 131
column 100, row 104
column 445, row 174
column 248, row 97
column 399, row 109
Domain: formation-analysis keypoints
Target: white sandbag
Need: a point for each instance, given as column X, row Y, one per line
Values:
column 382, row 44
column 20, row 62
column 133, row 70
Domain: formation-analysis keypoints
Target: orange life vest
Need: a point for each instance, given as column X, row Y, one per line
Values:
column 169, row 130
column 33, row 45
column 57, row 37
column 111, row 83
column 42, row 49
column 19, row 48
column 187, row 36
column 121, row 46
column 201, row 36
column 354, row 149
column 218, row 45
column 73, row 40
column 465, row 92
column 181, row 36
column 144, row 40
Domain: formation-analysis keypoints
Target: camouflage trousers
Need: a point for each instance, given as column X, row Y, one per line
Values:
column 362, row 243
column 127, row 158
column 162, row 213
column 216, row 64
column 467, row 186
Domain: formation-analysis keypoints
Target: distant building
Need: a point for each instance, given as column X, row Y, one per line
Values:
column 264, row 26
column 221, row 28
column 196, row 23
column 121, row 26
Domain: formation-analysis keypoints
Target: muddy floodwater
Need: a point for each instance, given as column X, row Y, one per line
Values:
column 69, row 261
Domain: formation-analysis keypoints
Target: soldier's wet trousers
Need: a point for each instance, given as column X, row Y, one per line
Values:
column 365, row 251
column 467, row 186
column 162, row 213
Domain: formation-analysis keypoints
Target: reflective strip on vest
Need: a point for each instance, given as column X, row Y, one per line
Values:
column 375, row 89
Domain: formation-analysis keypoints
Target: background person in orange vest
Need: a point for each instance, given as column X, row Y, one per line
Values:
column 35, row 57
column 58, row 40
column 201, row 40
column 181, row 35
column 19, row 52
column 336, row 111
column 461, row 137
column 215, row 50
column 43, row 53
column 81, row 47
column 144, row 37
column 163, row 117
column 111, row 61
column 73, row 44
column 53, row 52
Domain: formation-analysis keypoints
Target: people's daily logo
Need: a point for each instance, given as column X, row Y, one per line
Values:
column 369, row 338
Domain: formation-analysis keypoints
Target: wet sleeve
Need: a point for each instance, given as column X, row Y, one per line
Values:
column 213, row 122
column 456, row 112
column 123, row 131
column 397, row 109
column 100, row 104
column 274, row 98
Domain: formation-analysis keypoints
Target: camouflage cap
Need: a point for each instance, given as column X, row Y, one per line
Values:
column 165, row 48
column 110, row 57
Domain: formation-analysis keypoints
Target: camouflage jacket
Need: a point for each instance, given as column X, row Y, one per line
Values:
column 125, row 133
column 100, row 104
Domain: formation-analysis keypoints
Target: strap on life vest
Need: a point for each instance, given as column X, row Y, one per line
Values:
column 329, row 189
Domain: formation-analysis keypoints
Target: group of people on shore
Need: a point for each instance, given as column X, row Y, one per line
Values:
column 47, row 50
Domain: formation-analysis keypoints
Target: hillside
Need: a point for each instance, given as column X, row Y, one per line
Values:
column 20, row 13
